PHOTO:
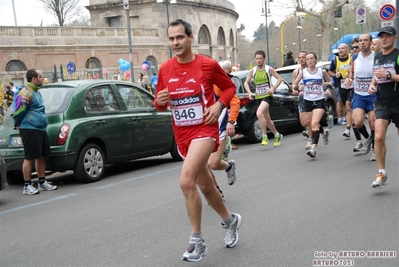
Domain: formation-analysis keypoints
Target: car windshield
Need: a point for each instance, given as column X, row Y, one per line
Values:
column 287, row 76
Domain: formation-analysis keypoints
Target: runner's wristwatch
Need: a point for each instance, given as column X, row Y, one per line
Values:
column 389, row 75
column 232, row 122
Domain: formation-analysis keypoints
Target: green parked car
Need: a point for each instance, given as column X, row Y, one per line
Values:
column 93, row 123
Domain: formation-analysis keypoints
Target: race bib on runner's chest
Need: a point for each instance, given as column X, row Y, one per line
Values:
column 262, row 89
column 187, row 111
column 362, row 84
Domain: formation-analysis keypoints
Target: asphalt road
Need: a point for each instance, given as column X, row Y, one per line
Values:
column 296, row 212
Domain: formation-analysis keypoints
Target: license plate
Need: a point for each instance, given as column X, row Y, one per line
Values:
column 16, row 141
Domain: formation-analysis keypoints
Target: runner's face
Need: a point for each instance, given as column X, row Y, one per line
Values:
column 343, row 51
column 179, row 42
column 311, row 60
column 375, row 45
column 302, row 59
column 387, row 40
column 355, row 47
column 364, row 42
column 260, row 60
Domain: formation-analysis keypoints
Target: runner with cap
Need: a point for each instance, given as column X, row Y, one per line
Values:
column 384, row 84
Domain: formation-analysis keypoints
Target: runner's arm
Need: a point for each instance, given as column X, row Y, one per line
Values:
column 278, row 77
column 161, row 100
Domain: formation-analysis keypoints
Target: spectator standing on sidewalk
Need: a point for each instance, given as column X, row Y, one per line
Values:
column 31, row 121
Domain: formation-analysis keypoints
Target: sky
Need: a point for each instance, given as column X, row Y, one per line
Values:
column 31, row 13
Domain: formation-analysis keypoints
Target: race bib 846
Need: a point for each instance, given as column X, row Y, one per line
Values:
column 187, row 111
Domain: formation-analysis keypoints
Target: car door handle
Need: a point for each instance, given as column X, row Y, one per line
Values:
column 101, row 122
column 136, row 119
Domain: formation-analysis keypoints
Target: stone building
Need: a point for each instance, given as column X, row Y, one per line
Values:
column 94, row 51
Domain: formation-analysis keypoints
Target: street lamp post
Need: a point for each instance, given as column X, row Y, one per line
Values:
column 126, row 6
column 266, row 11
column 167, row 2
column 318, row 40
column 299, row 26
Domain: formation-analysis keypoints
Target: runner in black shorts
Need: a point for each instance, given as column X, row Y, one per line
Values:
column 313, row 79
column 385, row 85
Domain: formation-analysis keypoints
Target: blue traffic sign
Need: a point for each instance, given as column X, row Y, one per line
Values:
column 387, row 12
column 71, row 67
column 361, row 12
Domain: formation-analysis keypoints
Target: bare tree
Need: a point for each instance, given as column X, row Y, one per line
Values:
column 325, row 18
column 63, row 10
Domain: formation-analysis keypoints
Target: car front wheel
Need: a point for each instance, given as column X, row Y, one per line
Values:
column 90, row 166
column 15, row 178
column 254, row 135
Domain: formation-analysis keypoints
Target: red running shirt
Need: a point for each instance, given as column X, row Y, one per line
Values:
column 191, row 93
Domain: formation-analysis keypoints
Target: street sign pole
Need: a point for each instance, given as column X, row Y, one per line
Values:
column 361, row 17
column 129, row 34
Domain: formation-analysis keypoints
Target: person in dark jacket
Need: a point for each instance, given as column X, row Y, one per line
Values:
column 31, row 121
column 9, row 96
column 290, row 60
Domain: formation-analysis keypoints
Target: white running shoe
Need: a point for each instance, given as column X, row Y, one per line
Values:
column 30, row 190
column 380, row 181
column 347, row 133
column 231, row 237
column 308, row 144
column 367, row 145
column 47, row 186
column 196, row 249
column 358, row 147
column 231, row 174
column 312, row 153
column 372, row 157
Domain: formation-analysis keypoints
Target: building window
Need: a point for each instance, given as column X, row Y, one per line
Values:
column 93, row 65
column 154, row 65
column 221, row 38
column 231, row 38
column 16, row 65
column 204, row 36
column 114, row 22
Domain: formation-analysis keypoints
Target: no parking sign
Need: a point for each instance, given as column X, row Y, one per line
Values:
column 387, row 12
column 360, row 15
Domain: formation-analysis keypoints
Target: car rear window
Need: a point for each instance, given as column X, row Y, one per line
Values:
column 56, row 99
